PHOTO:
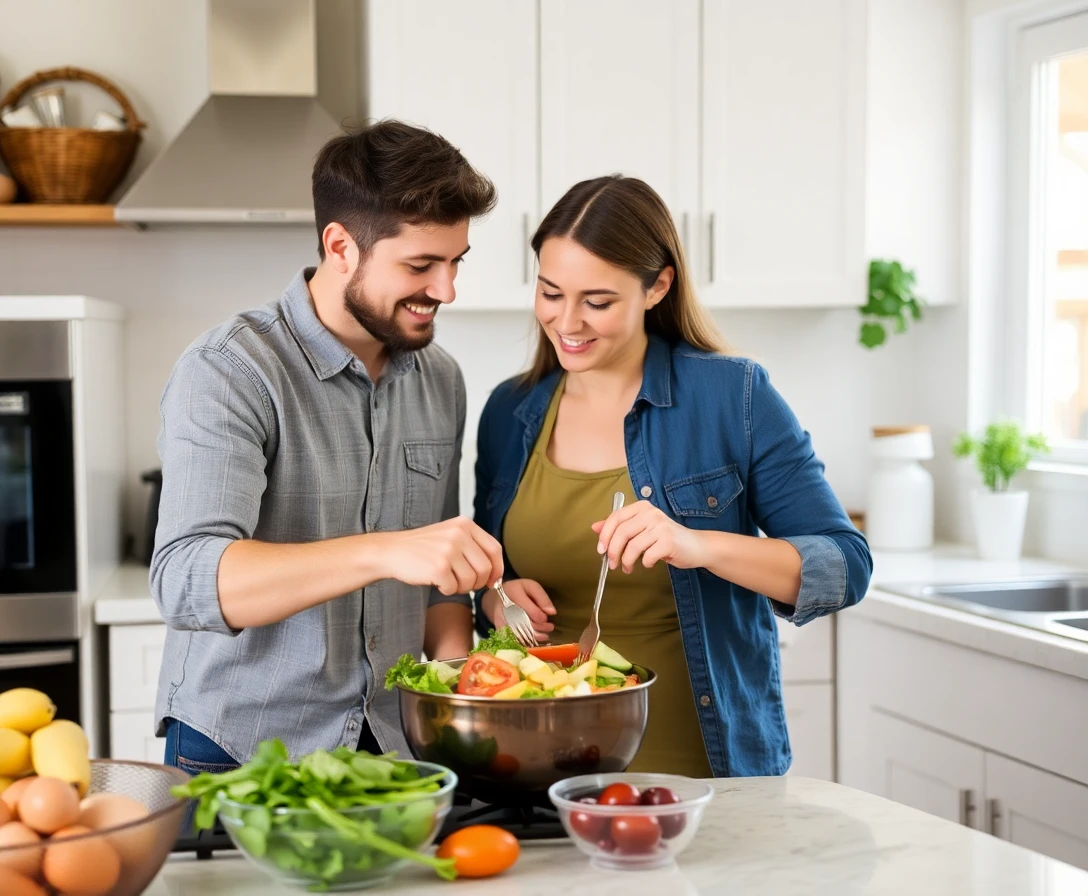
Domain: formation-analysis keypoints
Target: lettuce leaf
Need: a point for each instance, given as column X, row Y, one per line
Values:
column 417, row 676
column 503, row 639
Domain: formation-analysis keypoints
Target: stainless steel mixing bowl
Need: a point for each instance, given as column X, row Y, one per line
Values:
column 509, row 752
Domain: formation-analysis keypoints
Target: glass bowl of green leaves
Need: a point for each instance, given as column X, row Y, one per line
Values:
column 334, row 820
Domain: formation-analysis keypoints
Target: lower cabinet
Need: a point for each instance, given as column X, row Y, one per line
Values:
column 913, row 728
column 810, row 721
column 135, row 659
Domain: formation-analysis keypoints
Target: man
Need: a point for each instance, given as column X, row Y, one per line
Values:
column 310, row 453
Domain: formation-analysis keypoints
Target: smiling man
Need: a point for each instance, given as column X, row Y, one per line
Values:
column 310, row 449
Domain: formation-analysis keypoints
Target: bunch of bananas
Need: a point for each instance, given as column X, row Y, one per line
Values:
column 32, row 742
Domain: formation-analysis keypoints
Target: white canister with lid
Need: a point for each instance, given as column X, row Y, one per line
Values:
column 900, row 512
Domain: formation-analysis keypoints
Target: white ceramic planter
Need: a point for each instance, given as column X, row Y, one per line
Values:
column 999, row 523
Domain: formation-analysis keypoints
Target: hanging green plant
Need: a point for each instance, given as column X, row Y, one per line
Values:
column 891, row 298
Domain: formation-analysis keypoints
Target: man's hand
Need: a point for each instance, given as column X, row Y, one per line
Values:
column 528, row 595
column 455, row 556
column 641, row 530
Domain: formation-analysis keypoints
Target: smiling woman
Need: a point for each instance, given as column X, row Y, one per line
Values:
column 631, row 390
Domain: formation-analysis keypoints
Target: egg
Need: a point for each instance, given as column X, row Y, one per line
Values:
column 12, row 884
column 10, row 797
column 24, row 861
column 6, row 814
column 48, row 804
column 110, row 810
column 81, row 867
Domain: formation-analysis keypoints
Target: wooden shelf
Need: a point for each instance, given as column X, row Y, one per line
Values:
column 24, row 214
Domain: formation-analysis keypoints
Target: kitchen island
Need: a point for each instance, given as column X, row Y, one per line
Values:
column 781, row 836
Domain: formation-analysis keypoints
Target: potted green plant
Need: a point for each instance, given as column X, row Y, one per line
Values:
column 891, row 298
column 1001, row 452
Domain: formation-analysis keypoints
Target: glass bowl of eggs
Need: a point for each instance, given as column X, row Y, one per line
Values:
column 112, row 842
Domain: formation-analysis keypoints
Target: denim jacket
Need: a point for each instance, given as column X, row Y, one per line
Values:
column 712, row 444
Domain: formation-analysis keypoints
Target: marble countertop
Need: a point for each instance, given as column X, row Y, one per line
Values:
column 780, row 836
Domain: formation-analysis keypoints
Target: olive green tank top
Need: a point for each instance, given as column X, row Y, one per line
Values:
column 548, row 538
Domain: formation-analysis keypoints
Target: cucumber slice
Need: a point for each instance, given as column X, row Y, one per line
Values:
column 609, row 675
column 513, row 657
column 606, row 656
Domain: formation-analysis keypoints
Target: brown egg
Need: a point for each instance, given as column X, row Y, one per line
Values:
column 24, row 861
column 12, row 884
column 85, row 867
column 48, row 804
column 10, row 797
column 100, row 811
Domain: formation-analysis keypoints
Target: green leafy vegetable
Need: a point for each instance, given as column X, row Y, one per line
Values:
column 324, row 844
column 418, row 676
column 503, row 639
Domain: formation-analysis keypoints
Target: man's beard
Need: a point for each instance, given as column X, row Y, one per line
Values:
column 386, row 329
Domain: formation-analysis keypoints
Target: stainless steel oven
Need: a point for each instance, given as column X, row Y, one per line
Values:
column 52, row 668
column 38, row 589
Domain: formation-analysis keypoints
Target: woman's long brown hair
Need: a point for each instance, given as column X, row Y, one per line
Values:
column 624, row 222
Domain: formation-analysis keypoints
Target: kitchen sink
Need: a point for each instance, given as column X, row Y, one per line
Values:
column 1057, row 605
column 1081, row 623
column 1057, row 596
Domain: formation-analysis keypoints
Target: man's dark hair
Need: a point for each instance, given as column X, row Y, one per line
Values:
column 375, row 179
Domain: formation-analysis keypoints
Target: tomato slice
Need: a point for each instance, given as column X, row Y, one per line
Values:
column 485, row 675
column 561, row 654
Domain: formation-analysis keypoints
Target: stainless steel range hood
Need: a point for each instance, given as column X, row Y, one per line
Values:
column 246, row 155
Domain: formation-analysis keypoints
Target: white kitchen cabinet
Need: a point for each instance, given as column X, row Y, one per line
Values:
column 619, row 93
column 1037, row 810
column 469, row 72
column 807, row 651
column 927, row 770
column 135, row 660
column 783, row 87
column 810, row 721
column 132, row 736
column 964, row 734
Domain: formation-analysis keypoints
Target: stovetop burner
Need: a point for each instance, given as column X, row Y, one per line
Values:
column 526, row 822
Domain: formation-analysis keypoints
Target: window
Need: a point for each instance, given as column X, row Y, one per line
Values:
column 1048, row 329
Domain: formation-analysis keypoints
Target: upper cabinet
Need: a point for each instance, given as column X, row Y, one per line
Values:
column 619, row 93
column 748, row 118
column 783, row 162
column 469, row 71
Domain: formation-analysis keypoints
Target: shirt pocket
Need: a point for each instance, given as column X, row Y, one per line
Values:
column 428, row 463
column 707, row 500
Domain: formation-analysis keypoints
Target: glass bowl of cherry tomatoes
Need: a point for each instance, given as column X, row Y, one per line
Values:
column 628, row 820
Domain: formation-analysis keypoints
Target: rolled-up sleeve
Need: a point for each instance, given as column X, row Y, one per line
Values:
column 452, row 505
column 791, row 500
column 216, row 421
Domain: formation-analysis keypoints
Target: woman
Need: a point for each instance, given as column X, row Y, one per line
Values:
column 631, row 391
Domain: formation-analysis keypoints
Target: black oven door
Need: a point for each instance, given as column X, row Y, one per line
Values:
column 52, row 668
column 37, row 488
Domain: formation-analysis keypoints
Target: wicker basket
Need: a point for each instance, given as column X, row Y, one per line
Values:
column 69, row 165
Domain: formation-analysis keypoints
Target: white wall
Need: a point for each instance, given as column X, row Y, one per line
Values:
column 177, row 283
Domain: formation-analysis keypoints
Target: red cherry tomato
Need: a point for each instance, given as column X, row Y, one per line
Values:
column 619, row 795
column 635, row 834
column 671, row 825
column 587, row 825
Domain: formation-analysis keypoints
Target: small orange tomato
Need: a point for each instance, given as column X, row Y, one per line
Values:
column 480, row 850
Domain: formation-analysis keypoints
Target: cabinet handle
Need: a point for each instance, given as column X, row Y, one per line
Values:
column 993, row 816
column 967, row 806
column 710, row 249
column 525, row 248
column 32, row 658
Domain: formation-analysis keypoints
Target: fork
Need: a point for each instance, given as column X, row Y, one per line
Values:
column 516, row 618
column 592, row 634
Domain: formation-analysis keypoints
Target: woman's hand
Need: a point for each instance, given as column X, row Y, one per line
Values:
column 641, row 530
column 528, row 595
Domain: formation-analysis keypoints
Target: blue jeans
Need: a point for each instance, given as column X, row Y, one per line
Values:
column 193, row 752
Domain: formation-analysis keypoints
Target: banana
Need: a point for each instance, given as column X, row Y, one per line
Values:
column 60, row 750
column 26, row 710
column 14, row 753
